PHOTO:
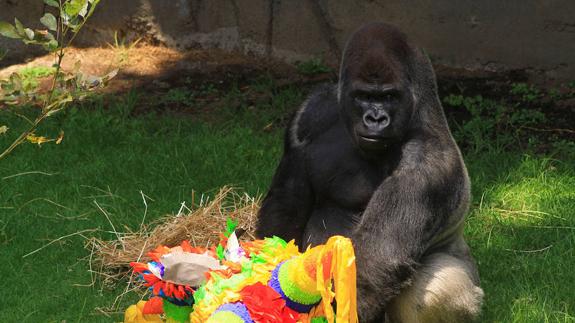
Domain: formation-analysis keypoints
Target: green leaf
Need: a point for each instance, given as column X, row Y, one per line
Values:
column 84, row 10
column 29, row 33
column 7, row 30
column 220, row 252
column 49, row 21
column 74, row 7
column 19, row 27
column 230, row 226
column 52, row 3
column 52, row 45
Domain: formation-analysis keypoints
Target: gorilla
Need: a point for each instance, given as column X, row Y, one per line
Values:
column 372, row 158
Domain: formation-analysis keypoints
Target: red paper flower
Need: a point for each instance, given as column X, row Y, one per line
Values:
column 266, row 305
column 154, row 305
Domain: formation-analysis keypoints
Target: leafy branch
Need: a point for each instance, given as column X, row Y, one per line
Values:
column 66, row 86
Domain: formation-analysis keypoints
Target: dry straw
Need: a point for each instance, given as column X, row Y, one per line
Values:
column 201, row 226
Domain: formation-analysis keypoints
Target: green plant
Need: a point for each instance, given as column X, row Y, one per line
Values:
column 482, row 125
column 122, row 43
column 528, row 92
column 31, row 75
column 123, row 47
column 178, row 95
column 571, row 90
column 19, row 90
column 525, row 117
column 492, row 123
column 312, row 67
column 206, row 89
column 554, row 94
column 565, row 148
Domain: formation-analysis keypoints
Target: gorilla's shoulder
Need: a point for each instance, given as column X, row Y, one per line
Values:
column 318, row 113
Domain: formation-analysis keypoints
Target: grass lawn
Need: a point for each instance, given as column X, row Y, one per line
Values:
column 521, row 226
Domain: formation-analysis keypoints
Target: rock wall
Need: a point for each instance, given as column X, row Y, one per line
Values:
column 535, row 35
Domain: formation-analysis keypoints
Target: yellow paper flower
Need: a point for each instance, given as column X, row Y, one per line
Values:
column 134, row 314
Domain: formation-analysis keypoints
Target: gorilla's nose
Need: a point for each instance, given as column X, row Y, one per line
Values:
column 376, row 119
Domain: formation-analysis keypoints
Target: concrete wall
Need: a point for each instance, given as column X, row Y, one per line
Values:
column 536, row 35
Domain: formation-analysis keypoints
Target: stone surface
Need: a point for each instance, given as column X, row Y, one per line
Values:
column 538, row 36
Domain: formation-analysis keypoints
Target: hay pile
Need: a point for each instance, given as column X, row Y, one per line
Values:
column 201, row 226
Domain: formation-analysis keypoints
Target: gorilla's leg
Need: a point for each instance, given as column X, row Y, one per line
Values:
column 443, row 290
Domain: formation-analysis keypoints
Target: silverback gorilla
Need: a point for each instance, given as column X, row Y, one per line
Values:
column 373, row 159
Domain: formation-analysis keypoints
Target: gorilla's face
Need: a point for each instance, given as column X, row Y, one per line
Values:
column 377, row 111
column 380, row 113
column 375, row 91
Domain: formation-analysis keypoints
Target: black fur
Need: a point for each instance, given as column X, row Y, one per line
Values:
column 399, row 196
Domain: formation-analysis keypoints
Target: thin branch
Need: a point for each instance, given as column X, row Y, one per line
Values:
column 23, row 117
column 46, row 111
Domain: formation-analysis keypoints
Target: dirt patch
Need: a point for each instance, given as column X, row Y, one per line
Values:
column 143, row 64
column 155, row 70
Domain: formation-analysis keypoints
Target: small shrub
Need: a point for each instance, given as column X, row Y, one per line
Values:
column 528, row 93
column 178, row 96
column 19, row 90
column 526, row 117
column 492, row 124
column 564, row 148
column 313, row 66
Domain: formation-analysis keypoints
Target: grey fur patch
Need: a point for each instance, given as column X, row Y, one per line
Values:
column 295, row 139
column 442, row 291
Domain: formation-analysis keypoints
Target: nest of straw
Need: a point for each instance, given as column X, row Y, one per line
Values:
column 200, row 225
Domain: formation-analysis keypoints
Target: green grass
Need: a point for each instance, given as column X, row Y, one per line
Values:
column 521, row 227
column 522, row 232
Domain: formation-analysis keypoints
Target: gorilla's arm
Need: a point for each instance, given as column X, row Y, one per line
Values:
column 286, row 208
column 403, row 216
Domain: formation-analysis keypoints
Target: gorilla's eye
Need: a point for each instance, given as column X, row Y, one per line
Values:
column 390, row 96
column 364, row 97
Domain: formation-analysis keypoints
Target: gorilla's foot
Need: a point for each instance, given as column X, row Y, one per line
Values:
column 442, row 291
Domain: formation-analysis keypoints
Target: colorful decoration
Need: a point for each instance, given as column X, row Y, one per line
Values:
column 261, row 281
column 231, row 312
column 135, row 314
